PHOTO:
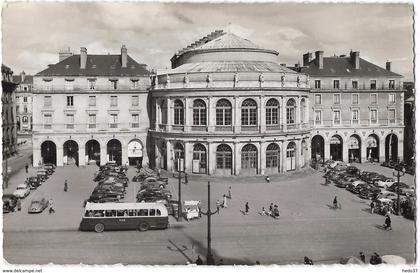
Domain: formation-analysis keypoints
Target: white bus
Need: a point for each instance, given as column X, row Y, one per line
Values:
column 124, row 216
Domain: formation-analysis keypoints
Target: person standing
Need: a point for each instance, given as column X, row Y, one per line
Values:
column 372, row 207
column 218, row 205
column 246, row 208
column 26, row 167
column 225, row 201
column 19, row 205
column 270, row 209
column 335, row 202
column 230, row 192
column 267, row 179
column 65, row 185
column 199, row 261
column 388, row 223
column 362, row 257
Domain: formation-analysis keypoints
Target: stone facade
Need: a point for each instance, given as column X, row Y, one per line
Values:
column 9, row 139
column 24, row 102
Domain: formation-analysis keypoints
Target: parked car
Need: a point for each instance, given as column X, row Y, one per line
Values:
column 33, row 182
column 385, row 183
column 38, row 205
column 9, row 202
column 352, row 170
column 49, row 168
column 22, row 190
column 102, row 199
column 387, row 195
column 369, row 192
column 402, row 186
column 354, row 186
column 42, row 174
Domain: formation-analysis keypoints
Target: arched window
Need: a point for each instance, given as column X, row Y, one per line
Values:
column 272, row 156
column 223, row 157
column 291, row 111
column 200, row 155
column 249, row 157
column 199, row 113
column 303, row 111
column 223, row 112
column 178, row 155
column 178, row 113
column 249, row 112
column 272, row 112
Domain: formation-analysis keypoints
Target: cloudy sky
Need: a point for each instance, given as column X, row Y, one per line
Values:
column 33, row 33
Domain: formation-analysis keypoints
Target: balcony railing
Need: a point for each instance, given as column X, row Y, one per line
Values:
column 70, row 126
column 88, row 126
column 224, row 128
column 47, row 126
column 92, row 125
column 273, row 127
column 249, row 128
column 292, row 126
column 113, row 125
column 201, row 128
column 178, row 127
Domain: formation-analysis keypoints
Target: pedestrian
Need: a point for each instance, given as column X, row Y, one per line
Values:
column 257, row 263
column 387, row 225
column 372, row 207
column 65, row 185
column 19, row 205
column 276, row 212
column 246, row 208
column 267, row 179
column 225, row 201
column 307, row 261
column 264, row 212
column 335, row 202
column 362, row 257
column 271, row 209
column 186, row 178
column 158, row 173
column 51, row 210
column 218, row 205
column 199, row 261
column 230, row 192
column 26, row 167
column 50, row 202
column 221, row 262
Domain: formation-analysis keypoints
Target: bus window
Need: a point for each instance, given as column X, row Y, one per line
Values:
column 98, row 213
column 109, row 213
column 152, row 212
column 120, row 213
column 88, row 213
column 158, row 213
column 143, row 212
column 131, row 212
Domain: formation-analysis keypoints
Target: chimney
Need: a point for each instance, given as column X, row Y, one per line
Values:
column 123, row 56
column 355, row 59
column 319, row 58
column 307, row 58
column 64, row 54
column 83, row 57
column 22, row 76
column 388, row 65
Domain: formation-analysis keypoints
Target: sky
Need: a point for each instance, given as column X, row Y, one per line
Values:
column 34, row 33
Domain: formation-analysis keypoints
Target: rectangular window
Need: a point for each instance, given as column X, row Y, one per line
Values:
column 70, row 121
column 92, row 120
column 114, row 101
column 374, row 116
column 318, row 99
column 317, row 84
column 47, row 85
column 337, row 118
column 134, row 84
column 355, row 116
column 92, row 84
column 113, row 123
column 114, row 84
column 391, row 115
column 391, row 98
column 47, row 121
column 25, row 109
column 92, row 100
column 135, row 121
column 354, row 98
column 47, row 101
column 69, row 100
column 68, row 85
column 336, row 84
column 25, row 99
column 372, row 84
column 318, row 117
column 337, row 99
column 355, row 84
column 391, row 84
column 373, row 98
column 135, row 100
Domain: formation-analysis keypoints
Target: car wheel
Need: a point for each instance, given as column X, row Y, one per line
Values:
column 143, row 226
column 99, row 227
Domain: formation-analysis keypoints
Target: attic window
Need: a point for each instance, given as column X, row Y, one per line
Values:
column 67, row 66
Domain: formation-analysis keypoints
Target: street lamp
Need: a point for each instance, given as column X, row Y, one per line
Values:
column 399, row 172
column 209, row 213
column 180, row 165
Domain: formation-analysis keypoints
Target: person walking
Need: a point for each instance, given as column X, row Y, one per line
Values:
column 246, row 208
column 387, row 223
column 218, row 205
column 372, row 207
column 199, row 261
column 267, row 179
column 335, row 202
column 225, row 201
column 362, row 257
column 270, row 209
column 26, row 167
column 19, row 205
column 66, row 185
column 230, row 192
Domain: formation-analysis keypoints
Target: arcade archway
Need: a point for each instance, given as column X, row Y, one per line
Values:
column 114, row 151
column 48, row 152
column 71, row 152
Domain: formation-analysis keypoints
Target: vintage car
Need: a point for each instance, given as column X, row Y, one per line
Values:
column 22, row 190
column 352, row 170
column 394, row 187
column 42, row 174
column 9, row 202
column 38, row 205
column 33, row 182
column 49, row 168
column 385, row 183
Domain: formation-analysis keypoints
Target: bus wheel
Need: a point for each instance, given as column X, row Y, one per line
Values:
column 143, row 226
column 99, row 227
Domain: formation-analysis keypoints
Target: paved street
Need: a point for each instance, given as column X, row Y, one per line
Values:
column 307, row 225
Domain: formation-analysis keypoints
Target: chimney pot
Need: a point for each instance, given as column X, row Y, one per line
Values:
column 307, row 58
column 83, row 57
column 64, row 54
column 388, row 65
column 123, row 56
column 22, row 76
column 355, row 59
column 319, row 57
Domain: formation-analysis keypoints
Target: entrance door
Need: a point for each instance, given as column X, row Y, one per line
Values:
column 249, row 160
column 336, row 148
column 291, row 157
column 135, row 153
column 223, row 160
column 199, row 159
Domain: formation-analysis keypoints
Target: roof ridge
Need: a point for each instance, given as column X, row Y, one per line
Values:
column 209, row 37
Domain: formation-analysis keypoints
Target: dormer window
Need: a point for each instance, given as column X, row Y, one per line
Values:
column 68, row 85
column 373, row 84
column 92, row 84
column 47, row 83
column 114, row 84
column 134, row 84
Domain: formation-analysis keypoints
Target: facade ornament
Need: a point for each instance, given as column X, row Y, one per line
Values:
column 186, row 79
column 209, row 80
column 235, row 79
column 282, row 79
column 261, row 79
column 298, row 81
column 168, row 80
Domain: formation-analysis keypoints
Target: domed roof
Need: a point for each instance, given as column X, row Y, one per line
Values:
column 228, row 40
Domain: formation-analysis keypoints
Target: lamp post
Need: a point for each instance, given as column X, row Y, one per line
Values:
column 180, row 164
column 209, row 213
column 5, row 171
column 399, row 172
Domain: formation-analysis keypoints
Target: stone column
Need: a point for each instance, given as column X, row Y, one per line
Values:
column 345, row 151
column 157, row 117
column 363, row 151
column 188, row 113
column 298, row 123
column 124, row 152
column 327, row 153
column 188, row 151
column 283, row 113
column 283, row 155
column 36, row 155
column 236, row 158
column 82, row 155
column 60, row 156
column 104, row 154
column 262, row 160
column 382, row 149
column 169, row 159
column 236, row 115
column 298, row 154
column 211, row 158
column 262, row 115
column 401, row 148
column 308, row 152
column 169, row 114
column 211, row 114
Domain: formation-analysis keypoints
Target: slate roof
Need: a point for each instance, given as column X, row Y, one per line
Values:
column 342, row 66
column 96, row 65
column 29, row 79
column 232, row 66
column 228, row 40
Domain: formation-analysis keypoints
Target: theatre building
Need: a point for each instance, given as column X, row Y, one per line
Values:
column 356, row 109
column 228, row 108
column 91, row 109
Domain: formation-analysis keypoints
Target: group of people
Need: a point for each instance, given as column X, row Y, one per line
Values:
column 273, row 211
column 224, row 203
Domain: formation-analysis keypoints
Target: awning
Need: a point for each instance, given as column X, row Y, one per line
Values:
column 335, row 140
column 371, row 142
column 354, row 143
